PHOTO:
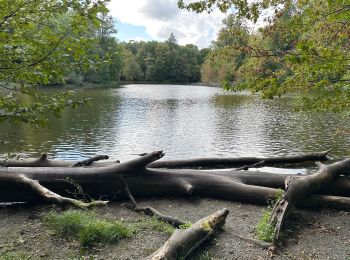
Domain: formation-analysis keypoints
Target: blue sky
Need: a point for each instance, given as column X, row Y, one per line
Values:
column 128, row 31
column 157, row 19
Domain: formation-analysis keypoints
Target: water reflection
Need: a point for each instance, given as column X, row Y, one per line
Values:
column 184, row 121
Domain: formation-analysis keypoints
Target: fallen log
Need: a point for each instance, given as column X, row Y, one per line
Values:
column 297, row 189
column 104, row 182
column 239, row 162
column 43, row 161
column 50, row 196
column 184, row 241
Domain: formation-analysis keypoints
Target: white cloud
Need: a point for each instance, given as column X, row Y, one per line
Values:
column 162, row 17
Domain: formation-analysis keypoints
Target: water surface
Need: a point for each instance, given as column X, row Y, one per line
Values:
column 184, row 121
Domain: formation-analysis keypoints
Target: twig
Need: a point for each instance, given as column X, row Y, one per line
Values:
column 255, row 165
column 53, row 197
column 335, row 35
column 89, row 161
column 151, row 211
column 262, row 244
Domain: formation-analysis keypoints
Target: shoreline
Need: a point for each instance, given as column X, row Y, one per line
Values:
column 310, row 234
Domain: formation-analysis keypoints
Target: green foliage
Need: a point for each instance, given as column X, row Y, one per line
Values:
column 264, row 230
column 303, row 48
column 205, row 256
column 85, row 227
column 161, row 61
column 279, row 195
column 107, row 50
column 41, row 40
column 31, row 106
column 102, row 231
column 156, row 224
column 185, row 226
column 69, row 223
column 40, row 43
column 14, row 255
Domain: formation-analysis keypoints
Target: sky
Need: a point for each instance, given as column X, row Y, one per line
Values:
column 157, row 19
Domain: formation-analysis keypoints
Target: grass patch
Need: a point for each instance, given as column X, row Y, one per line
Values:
column 86, row 227
column 157, row 225
column 69, row 223
column 102, row 231
column 264, row 230
column 15, row 255
column 185, row 226
column 89, row 230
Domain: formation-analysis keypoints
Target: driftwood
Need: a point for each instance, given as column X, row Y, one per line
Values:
column 241, row 162
column 89, row 161
column 52, row 181
column 184, row 241
column 299, row 188
column 104, row 182
column 50, row 196
column 44, row 161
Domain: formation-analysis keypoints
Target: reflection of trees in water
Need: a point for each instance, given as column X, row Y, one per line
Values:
column 240, row 124
column 229, row 101
column 74, row 126
column 248, row 125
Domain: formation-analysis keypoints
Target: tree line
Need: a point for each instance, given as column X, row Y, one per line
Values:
column 57, row 42
column 152, row 61
column 162, row 61
column 304, row 47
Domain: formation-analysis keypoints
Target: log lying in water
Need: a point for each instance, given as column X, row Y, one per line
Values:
column 43, row 161
column 236, row 162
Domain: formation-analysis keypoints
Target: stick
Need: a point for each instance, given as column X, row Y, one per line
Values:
column 89, row 161
column 151, row 211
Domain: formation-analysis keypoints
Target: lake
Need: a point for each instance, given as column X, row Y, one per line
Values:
column 183, row 120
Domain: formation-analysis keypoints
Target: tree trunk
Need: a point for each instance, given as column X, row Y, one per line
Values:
column 298, row 189
column 239, row 162
column 105, row 182
column 43, row 161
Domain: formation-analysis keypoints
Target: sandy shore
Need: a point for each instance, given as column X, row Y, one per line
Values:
column 320, row 234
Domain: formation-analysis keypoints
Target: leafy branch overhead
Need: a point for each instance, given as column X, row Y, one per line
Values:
column 40, row 43
column 302, row 47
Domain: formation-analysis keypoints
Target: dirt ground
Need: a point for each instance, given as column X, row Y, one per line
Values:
column 322, row 234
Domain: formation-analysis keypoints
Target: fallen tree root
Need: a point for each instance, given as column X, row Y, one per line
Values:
column 299, row 188
column 184, row 241
column 151, row 211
